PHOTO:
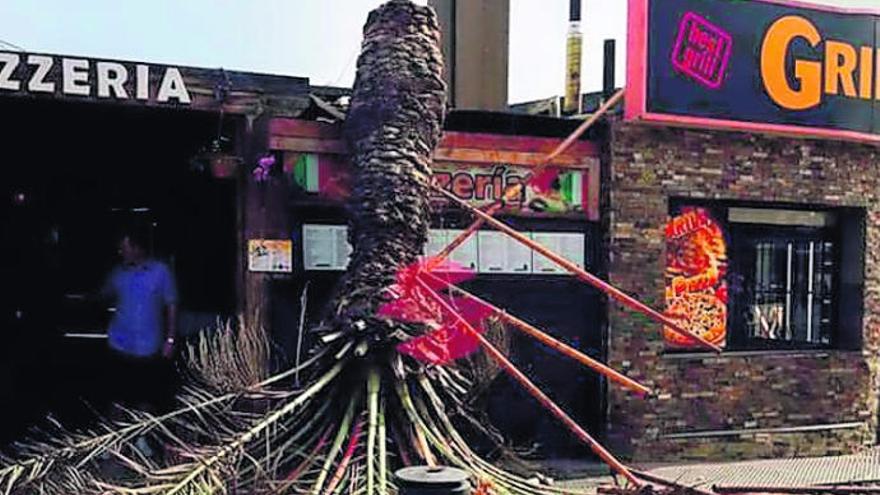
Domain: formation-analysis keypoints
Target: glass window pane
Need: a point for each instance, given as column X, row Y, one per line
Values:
column 790, row 297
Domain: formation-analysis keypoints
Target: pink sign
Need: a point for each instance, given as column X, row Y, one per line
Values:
column 702, row 50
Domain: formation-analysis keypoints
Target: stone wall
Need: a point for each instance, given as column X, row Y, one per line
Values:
column 738, row 404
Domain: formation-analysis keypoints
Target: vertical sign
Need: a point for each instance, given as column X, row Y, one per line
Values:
column 696, row 263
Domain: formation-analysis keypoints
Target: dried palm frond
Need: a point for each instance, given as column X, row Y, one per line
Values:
column 58, row 461
column 229, row 359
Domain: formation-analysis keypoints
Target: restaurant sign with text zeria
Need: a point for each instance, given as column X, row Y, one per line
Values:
column 772, row 66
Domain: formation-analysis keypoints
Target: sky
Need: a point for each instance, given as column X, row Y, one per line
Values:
column 318, row 39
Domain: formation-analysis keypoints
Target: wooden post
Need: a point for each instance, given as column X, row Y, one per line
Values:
column 264, row 214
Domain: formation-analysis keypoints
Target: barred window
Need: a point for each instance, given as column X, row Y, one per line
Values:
column 794, row 277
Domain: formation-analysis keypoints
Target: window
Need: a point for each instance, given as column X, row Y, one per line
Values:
column 787, row 279
column 793, row 276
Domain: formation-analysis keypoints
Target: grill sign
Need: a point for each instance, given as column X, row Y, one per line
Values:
column 758, row 66
column 848, row 69
column 80, row 77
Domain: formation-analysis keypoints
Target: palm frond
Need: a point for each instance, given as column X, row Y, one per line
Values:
column 230, row 359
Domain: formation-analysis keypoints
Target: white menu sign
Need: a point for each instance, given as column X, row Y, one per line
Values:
column 325, row 247
column 466, row 255
column 500, row 253
column 569, row 245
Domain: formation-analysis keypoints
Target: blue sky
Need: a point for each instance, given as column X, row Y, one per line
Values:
column 318, row 39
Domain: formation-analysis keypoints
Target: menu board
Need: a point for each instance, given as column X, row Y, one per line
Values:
column 466, row 255
column 436, row 242
column 325, row 247
column 569, row 245
column 500, row 253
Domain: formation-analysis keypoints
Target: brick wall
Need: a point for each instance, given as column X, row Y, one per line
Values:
column 755, row 392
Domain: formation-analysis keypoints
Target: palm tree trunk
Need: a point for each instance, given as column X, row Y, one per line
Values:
column 393, row 125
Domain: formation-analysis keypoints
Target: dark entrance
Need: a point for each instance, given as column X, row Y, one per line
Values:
column 570, row 311
column 73, row 174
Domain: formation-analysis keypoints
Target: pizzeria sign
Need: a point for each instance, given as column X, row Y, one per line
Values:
column 556, row 191
column 34, row 74
column 764, row 65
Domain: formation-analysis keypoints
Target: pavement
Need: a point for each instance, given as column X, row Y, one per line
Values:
column 863, row 468
column 857, row 469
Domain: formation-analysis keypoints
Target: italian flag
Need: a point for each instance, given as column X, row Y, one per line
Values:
column 326, row 175
column 574, row 189
column 307, row 172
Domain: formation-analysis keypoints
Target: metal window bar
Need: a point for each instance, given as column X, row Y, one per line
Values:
column 810, row 273
column 824, row 287
column 788, row 332
column 769, row 293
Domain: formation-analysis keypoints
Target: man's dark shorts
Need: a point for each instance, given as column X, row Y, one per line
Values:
column 141, row 382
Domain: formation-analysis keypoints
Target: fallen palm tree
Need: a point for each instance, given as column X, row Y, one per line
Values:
column 382, row 388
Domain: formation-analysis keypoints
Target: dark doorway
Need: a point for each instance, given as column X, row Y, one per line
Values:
column 568, row 310
column 73, row 175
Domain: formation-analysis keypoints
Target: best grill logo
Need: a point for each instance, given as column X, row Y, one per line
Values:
column 702, row 50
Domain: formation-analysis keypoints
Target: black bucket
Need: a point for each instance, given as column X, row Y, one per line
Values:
column 438, row 480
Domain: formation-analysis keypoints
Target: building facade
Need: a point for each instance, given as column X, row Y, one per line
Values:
column 741, row 197
column 772, row 392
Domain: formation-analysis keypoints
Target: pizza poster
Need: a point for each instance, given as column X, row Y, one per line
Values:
column 696, row 290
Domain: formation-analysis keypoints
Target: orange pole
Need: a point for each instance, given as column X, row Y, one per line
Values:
column 582, row 274
column 608, row 105
column 533, row 389
column 512, row 191
column 551, row 342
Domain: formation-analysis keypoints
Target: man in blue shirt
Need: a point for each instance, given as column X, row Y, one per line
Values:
column 143, row 328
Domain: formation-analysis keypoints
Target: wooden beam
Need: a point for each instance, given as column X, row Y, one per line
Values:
column 610, row 290
column 531, row 144
column 520, row 158
column 470, row 147
column 461, row 155
column 308, row 145
column 594, row 175
column 303, row 129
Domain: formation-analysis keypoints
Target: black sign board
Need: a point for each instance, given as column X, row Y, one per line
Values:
column 42, row 74
column 764, row 65
column 66, row 77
